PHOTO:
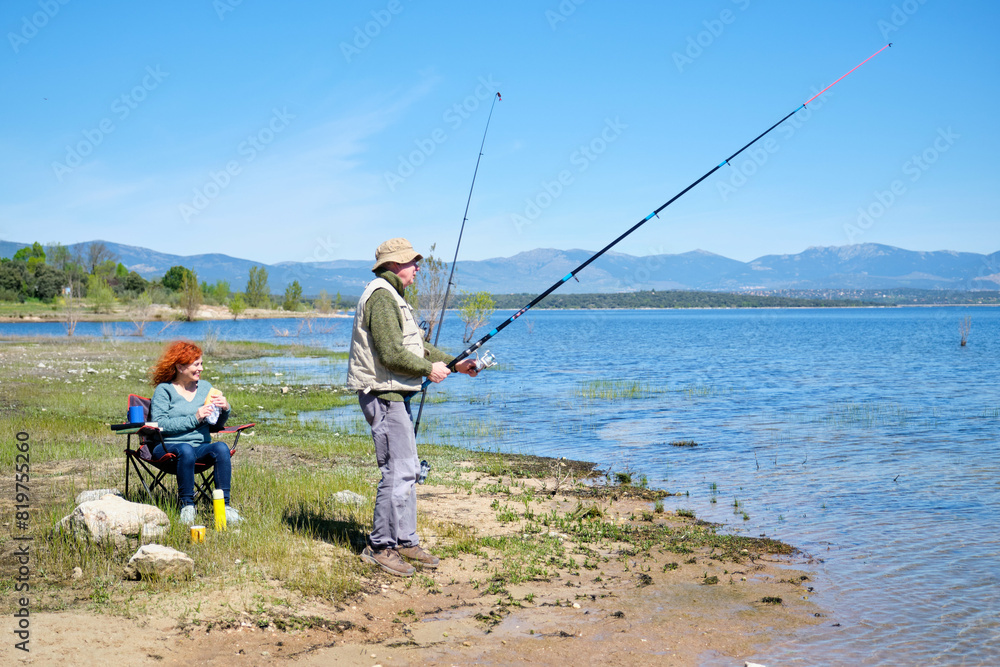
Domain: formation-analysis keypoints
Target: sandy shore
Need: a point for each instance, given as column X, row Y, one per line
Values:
column 537, row 571
column 655, row 608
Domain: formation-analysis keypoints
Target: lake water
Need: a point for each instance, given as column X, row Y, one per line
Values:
column 865, row 437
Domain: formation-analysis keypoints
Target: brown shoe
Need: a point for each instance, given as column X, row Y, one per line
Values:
column 419, row 556
column 388, row 560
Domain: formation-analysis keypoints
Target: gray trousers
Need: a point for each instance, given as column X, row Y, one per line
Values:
column 395, row 521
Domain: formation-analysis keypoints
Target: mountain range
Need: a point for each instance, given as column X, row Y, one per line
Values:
column 861, row 266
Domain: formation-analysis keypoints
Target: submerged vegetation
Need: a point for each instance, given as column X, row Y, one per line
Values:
column 621, row 390
column 615, row 389
column 870, row 414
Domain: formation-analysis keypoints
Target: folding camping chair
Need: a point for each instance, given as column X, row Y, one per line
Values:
column 151, row 471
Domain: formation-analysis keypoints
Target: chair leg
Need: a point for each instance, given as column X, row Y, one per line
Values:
column 151, row 478
column 138, row 473
column 205, row 487
column 158, row 483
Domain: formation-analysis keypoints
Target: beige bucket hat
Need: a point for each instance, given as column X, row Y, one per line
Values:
column 396, row 250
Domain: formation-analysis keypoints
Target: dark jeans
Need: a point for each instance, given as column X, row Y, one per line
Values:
column 187, row 456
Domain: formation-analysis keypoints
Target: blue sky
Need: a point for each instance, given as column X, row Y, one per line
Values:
column 312, row 131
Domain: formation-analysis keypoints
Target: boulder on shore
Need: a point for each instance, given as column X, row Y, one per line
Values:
column 348, row 498
column 115, row 519
column 96, row 494
column 154, row 561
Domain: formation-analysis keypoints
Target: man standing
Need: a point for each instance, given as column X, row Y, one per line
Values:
column 387, row 362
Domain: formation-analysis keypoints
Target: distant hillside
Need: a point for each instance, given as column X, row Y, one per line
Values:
column 856, row 267
column 874, row 266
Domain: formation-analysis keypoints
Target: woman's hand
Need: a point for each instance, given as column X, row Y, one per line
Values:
column 203, row 412
column 220, row 400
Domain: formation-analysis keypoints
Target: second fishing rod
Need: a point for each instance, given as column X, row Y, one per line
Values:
column 454, row 261
column 475, row 346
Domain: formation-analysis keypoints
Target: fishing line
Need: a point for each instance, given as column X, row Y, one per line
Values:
column 572, row 274
column 451, row 274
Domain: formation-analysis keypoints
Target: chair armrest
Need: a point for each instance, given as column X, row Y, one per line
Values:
column 234, row 429
column 130, row 429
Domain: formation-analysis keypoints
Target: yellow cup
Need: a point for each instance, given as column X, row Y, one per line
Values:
column 197, row 534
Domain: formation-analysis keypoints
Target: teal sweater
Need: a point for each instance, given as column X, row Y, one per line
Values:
column 383, row 320
column 176, row 416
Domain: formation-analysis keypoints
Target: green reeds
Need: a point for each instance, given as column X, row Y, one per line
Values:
column 868, row 414
column 615, row 390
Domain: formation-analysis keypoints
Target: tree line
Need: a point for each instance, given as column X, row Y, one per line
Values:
column 44, row 273
column 93, row 276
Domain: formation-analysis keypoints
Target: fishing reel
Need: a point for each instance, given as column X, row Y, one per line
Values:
column 485, row 361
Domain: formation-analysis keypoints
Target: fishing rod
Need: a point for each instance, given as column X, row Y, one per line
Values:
column 451, row 274
column 572, row 274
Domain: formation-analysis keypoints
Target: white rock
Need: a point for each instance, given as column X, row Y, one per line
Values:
column 157, row 561
column 752, row 664
column 115, row 519
column 87, row 496
column 348, row 498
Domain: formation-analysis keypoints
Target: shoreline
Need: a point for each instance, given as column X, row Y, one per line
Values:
column 654, row 609
column 539, row 564
column 165, row 315
column 219, row 313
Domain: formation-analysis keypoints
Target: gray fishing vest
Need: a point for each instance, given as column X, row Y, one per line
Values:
column 364, row 370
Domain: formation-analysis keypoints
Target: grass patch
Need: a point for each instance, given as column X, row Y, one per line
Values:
column 65, row 393
column 523, row 559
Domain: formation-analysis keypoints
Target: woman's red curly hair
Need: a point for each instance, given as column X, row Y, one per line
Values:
column 181, row 352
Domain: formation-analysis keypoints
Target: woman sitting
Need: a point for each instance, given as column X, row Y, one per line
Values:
column 183, row 407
